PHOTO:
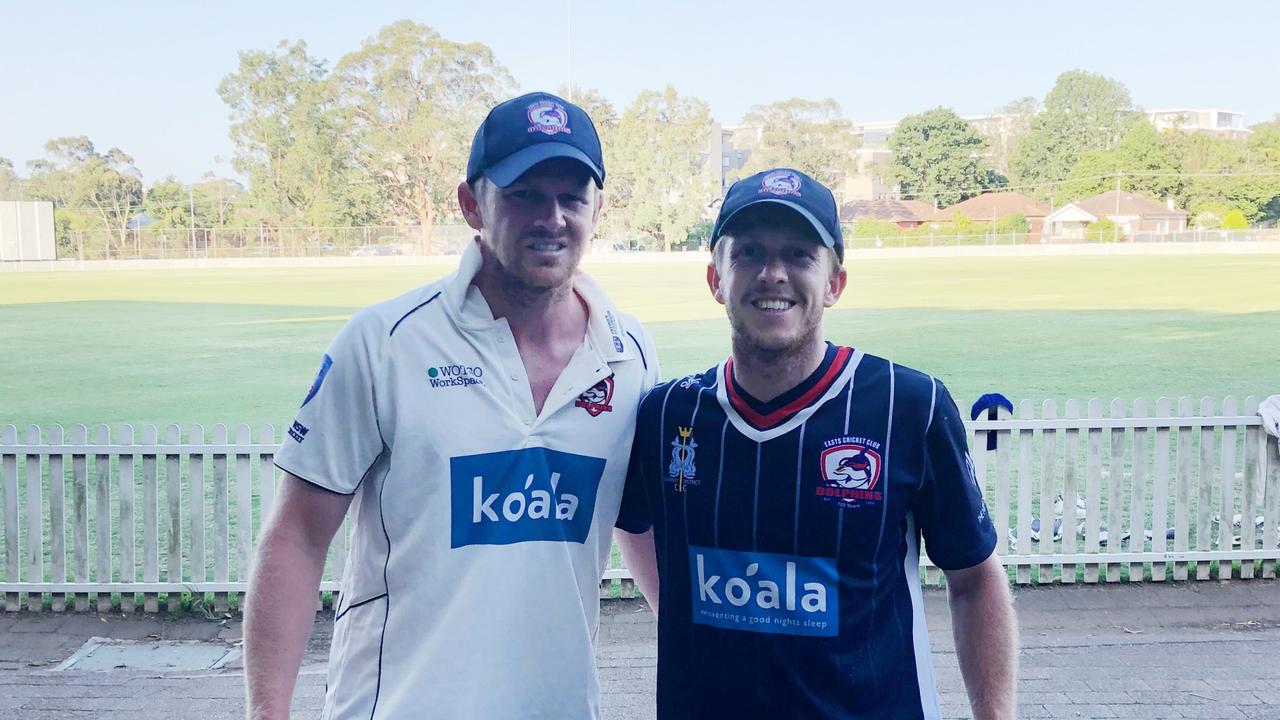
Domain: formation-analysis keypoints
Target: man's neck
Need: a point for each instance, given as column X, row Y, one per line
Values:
column 766, row 374
column 532, row 312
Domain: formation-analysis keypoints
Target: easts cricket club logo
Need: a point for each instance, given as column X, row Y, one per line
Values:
column 781, row 182
column 596, row 400
column 850, row 472
column 548, row 117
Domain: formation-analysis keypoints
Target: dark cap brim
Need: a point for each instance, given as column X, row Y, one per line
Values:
column 509, row 169
column 823, row 235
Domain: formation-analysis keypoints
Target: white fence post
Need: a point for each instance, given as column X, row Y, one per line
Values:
column 1138, row 482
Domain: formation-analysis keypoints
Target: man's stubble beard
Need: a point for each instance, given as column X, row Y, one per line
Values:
column 518, row 289
column 745, row 347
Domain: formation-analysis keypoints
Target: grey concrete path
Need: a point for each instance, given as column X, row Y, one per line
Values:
column 1206, row 650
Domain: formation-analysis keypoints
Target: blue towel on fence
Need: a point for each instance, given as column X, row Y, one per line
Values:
column 989, row 402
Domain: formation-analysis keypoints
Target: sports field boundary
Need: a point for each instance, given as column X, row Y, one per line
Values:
column 1262, row 247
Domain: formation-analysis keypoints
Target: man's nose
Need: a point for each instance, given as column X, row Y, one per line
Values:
column 773, row 270
column 551, row 215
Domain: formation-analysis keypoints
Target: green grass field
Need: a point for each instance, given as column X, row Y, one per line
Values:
column 231, row 346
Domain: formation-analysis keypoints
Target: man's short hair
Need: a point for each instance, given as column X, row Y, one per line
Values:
column 769, row 216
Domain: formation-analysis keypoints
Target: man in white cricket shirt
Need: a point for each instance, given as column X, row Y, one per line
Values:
column 477, row 429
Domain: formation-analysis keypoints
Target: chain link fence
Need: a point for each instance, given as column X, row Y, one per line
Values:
column 370, row 241
column 262, row 242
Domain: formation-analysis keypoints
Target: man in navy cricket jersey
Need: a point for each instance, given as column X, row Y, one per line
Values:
column 780, row 498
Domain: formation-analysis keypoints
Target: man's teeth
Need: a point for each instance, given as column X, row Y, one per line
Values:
column 773, row 304
column 546, row 246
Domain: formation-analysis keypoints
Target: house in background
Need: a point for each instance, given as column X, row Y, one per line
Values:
column 990, row 207
column 1133, row 213
column 906, row 214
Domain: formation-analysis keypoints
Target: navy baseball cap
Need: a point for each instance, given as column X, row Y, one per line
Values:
column 790, row 188
column 524, row 131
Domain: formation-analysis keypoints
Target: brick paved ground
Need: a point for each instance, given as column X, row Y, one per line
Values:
column 1180, row 651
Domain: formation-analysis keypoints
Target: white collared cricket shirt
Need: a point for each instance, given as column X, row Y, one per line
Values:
column 480, row 528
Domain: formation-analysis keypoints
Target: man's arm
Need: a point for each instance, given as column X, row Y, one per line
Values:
column 641, row 559
column 281, row 602
column 986, row 636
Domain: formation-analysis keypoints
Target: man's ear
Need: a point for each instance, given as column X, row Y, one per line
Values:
column 835, row 287
column 469, row 204
column 713, row 282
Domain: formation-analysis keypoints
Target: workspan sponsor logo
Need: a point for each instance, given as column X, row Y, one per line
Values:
column 764, row 592
column 516, row 496
column 443, row 376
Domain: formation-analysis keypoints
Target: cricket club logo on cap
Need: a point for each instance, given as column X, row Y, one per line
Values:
column 548, row 117
column 781, row 182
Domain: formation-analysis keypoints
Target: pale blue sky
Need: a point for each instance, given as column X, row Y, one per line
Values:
column 143, row 75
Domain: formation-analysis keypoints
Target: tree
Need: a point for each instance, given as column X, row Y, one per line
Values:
column 222, row 199
column 1223, row 174
column 415, row 100
column 1015, row 223
column 937, row 157
column 1101, row 230
column 168, row 204
column 1003, row 137
column 665, row 179
column 810, row 136
column 91, row 190
column 1234, row 220
column 10, row 183
column 290, row 137
column 1146, row 160
column 606, row 120
column 1083, row 112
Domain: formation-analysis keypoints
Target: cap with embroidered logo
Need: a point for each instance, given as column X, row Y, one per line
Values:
column 524, row 131
column 790, row 188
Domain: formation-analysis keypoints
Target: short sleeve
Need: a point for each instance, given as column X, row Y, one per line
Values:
column 334, row 438
column 636, row 514
column 949, row 509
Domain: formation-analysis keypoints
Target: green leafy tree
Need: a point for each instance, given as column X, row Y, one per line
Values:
column 10, row 183
column 1146, row 161
column 1264, row 142
column 415, row 100
column 226, row 202
column 937, row 157
column 1015, row 223
column 91, row 190
column 808, row 135
column 1234, row 220
column 1223, row 174
column 605, row 117
column 1083, row 112
column 662, row 183
column 292, row 140
column 1101, row 230
column 1004, row 138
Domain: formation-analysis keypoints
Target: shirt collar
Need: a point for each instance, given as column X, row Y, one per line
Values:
column 467, row 306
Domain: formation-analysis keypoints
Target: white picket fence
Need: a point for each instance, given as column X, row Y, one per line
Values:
column 139, row 516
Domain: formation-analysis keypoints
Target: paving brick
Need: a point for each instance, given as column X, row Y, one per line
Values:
column 1190, row 660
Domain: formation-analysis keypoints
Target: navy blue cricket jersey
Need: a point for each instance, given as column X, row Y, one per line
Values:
column 788, row 538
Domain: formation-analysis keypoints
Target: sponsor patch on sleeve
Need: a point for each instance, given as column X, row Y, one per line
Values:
column 325, row 364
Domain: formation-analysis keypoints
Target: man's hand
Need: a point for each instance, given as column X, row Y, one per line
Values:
column 986, row 634
column 1269, row 410
column 640, row 557
column 280, row 606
